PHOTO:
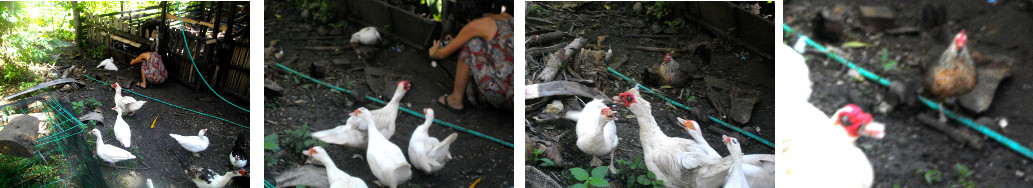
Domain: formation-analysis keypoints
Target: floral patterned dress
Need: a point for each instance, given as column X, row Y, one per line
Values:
column 491, row 67
column 154, row 69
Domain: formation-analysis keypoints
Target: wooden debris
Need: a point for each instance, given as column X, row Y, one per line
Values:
column 561, row 88
column 558, row 58
column 271, row 86
column 95, row 115
column 536, row 40
column 18, row 137
column 540, row 51
column 956, row 133
column 43, row 85
column 307, row 175
column 990, row 77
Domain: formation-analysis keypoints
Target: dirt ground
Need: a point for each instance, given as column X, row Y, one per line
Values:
column 305, row 102
column 754, row 73
column 153, row 146
column 911, row 149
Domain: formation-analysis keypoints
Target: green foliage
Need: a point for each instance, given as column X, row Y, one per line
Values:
column 597, row 178
column 963, row 177
column 300, row 139
column 83, row 105
column 677, row 23
column 270, row 144
column 886, row 63
column 930, row 176
column 435, row 8
column 635, row 174
column 661, row 9
column 537, row 159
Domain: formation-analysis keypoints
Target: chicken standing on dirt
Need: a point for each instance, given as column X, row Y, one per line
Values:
column 954, row 74
column 673, row 73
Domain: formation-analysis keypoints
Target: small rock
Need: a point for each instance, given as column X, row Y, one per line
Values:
column 1019, row 173
column 554, row 108
column 637, row 7
column 884, row 107
column 299, row 101
column 1003, row 123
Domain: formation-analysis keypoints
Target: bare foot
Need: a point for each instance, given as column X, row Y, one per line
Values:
column 141, row 84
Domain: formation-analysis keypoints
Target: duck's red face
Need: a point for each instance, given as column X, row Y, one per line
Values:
column 852, row 118
column 242, row 172
column 115, row 85
column 356, row 113
column 627, row 98
column 690, row 124
column 667, row 58
column 405, row 85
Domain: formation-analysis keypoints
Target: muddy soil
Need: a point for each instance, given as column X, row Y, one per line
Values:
column 754, row 73
column 910, row 148
column 305, row 102
column 153, row 146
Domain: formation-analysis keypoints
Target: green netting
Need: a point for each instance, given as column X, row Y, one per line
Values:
column 63, row 158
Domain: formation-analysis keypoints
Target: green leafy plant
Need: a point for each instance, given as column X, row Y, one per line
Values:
column 931, row 176
column 677, row 23
column 597, row 178
column 886, row 63
column 661, row 9
column 301, row 139
column 635, row 174
column 270, row 144
column 963, row 177
column 537, row 159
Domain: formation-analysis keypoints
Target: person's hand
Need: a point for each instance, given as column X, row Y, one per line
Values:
column 433, row 48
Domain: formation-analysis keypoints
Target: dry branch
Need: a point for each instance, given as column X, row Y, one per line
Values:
column 558, row 58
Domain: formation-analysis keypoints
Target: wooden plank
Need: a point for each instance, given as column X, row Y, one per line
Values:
column 188, row 20
column 43, row 85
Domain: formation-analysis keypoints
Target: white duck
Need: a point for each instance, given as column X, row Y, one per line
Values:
column 127, row 103
column 122, row 132
column 385, row 158
column 193, row 143
column 736, row 178
column 366, row 36
column 110, row 153
column 678, row 162
column 759, row 169
column 206, row 177
column 426, row 152
column 352, row 134
column 337, row 177
column 596, row 132
column 385, row 117
column 108, row 64
column 816, row 150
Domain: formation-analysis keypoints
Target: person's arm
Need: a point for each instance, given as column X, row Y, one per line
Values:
column 141, row 58
column 474, row 29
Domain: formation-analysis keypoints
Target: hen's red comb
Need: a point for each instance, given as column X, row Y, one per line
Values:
column 960, row 40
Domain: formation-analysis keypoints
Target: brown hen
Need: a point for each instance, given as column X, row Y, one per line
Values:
column 954, row 74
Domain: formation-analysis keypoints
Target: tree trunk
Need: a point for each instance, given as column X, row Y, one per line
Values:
column 18, row 137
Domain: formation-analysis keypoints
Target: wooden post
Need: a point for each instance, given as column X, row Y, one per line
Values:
column 78, row 28
column 18, row 137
